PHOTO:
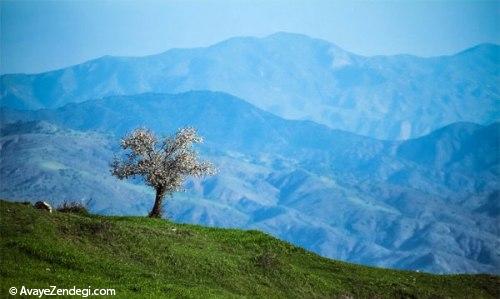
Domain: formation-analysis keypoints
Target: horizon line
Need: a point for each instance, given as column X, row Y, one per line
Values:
column 251, row 37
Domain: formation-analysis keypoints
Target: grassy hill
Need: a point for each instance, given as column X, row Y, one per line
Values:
column 154, row 258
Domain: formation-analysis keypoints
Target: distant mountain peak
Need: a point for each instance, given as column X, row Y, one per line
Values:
column 489, row 49
column 290, row 36
column 293, row 76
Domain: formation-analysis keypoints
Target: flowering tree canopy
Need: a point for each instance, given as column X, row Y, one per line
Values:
column 163, row 165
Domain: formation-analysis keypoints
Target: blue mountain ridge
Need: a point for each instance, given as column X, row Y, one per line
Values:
column 429, row 203
column 295, row 77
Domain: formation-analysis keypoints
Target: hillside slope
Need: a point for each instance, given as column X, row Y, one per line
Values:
column 142, row 257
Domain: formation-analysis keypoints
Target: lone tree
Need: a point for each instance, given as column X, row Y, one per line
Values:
column 163, row 165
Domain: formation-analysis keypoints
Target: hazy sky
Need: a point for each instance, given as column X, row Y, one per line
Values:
column 43, row 35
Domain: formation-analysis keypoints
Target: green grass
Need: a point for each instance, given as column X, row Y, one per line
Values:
column 154, row 258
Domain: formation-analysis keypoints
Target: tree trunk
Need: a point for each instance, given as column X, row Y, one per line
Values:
column 157, row 208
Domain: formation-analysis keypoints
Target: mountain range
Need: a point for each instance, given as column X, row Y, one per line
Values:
column 295, row 77
column 428, row 203
column 389, row 161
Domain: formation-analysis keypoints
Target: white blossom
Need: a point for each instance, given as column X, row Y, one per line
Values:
column 163, row 166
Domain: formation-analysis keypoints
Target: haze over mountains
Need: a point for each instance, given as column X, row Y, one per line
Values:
column 339, row 194
column 429, row 203
column 293, row 76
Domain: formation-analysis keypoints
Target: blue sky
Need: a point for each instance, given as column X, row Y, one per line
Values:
column 43, row 35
